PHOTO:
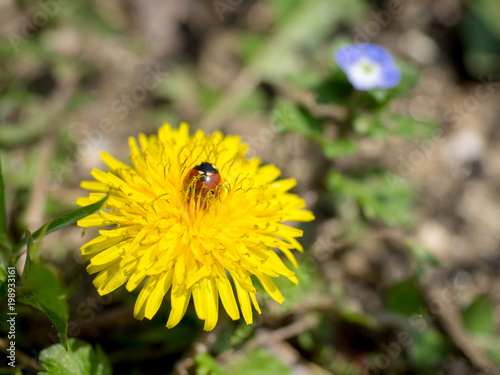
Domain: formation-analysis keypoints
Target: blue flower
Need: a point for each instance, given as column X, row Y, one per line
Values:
column 368, row 66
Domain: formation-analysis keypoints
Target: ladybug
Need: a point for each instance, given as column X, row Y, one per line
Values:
column 207, row 179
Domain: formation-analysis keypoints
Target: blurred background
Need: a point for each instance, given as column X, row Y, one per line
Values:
column 401, row 271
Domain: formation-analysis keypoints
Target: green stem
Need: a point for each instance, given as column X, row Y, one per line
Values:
column 61, row 222
column 347, row 127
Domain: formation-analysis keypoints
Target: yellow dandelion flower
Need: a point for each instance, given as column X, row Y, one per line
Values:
column 188, row 242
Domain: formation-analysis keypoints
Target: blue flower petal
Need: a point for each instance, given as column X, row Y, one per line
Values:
column 390, row 78
column 349, row 55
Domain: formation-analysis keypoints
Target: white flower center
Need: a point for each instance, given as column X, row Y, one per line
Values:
column 365, row 72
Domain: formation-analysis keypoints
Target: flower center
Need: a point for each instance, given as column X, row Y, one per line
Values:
column 365, row 72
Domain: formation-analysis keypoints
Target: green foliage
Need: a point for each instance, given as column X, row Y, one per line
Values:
column 404, row 298
column 279, row 45
column 4, row 263
column 409, row 128
column 207, row 365
column 428, row 349
column 257, row 361
column 295, row 119
column 421, row 255
column 3, row 213
column 334, row 89
column 479, row 320
column 79, row 359
column 65, row 220
column 4, row 250
column 381, row 125
column 376, row 196
column 478, row 316
column 40, row 288
column 480, row 31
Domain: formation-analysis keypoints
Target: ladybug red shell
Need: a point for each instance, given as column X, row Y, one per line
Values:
column 207, row 178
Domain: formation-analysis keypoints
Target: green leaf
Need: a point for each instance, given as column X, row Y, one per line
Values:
column 254, row 102
column 65, row 220
column 408, row 127
column 207, row 97
column 404, row 298
column 376, row 193
column 207, row 365
column 289, row 117
column 4, row 263
column 80, row 359
column 478, row 317
column 336, row 89
column 480, row 32
column 292, row 118
column 382, row 124
column 4, row 249
column 255, row 362
column 421, row 255
column 340, row 147
column 40, row 288
column 10, row 371
column 3, row 212
column 428, row 348
column 370, row 125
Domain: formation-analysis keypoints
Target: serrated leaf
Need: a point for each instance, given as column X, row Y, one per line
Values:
column 80, row 359
column 40, row 288
column 65, row 220
column 478, row 317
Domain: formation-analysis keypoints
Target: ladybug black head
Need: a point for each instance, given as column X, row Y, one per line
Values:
column 206, row 168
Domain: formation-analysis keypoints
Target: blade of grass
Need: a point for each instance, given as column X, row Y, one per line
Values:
column 3, row 213
column 64, row 220
column 40, row 288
